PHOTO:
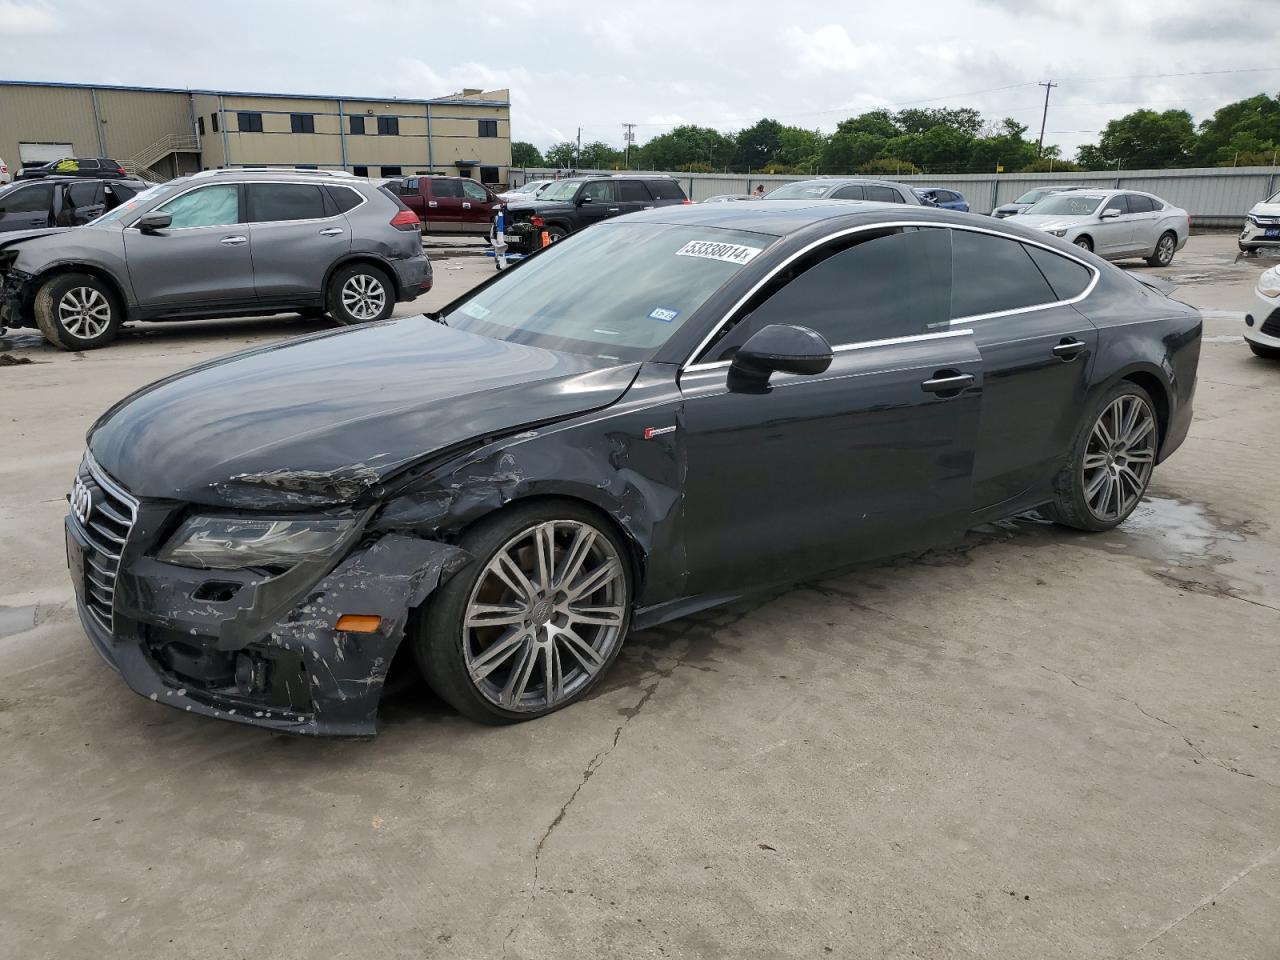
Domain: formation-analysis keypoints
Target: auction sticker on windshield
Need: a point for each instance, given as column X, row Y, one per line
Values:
column 710, row 250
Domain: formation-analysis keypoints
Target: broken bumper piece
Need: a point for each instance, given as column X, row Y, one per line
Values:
column 295, row 672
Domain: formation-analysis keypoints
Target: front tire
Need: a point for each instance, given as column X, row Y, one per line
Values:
column 1267, row 353
column 1084, row 243
column 1166, row 246
column 78, row 311
column 1112, row 457
column 535, row 620
column 360, row 293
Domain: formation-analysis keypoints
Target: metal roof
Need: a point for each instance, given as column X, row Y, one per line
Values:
column 250, row 93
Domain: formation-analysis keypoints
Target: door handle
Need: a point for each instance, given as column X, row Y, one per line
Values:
column 331, row 232
column 1068, row 350
column 947, row 381
column 614, row 209
column 431, row 203
column 465, row 205
column 233, row 241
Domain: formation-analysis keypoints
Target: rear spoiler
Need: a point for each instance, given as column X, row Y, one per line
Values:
column 1157, row 284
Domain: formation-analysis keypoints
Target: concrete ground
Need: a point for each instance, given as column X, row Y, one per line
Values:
column 1042, row 744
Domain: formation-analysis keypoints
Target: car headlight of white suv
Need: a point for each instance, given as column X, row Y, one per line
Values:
column 1269, row 283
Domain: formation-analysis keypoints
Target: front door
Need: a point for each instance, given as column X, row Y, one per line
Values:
column 477, row 209
column 598, row 201
column 81, row 202
column 1113, row 235
column 26, row 207
column 1036, row 354
column 872, row 457
column 444, row 204
column 296, row 234
column 203, row 257
column 633, row 196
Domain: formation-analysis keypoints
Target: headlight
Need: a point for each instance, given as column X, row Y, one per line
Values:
column 1269, row 283
column 232, row 543
column 1059, row 233
column 1251, row 218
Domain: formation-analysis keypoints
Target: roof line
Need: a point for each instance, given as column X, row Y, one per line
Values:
column 249, row 93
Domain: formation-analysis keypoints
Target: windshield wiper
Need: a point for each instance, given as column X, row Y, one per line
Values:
column 438, row 317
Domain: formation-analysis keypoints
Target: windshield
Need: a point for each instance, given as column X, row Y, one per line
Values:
column 125, row 209
column 617, row 292
column 529, row 187
column 1031, row 196
column 798, row 191
column 1274, row 199
column 563, row 190
column 1066, row 205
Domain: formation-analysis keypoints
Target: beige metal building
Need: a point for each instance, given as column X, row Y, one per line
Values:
column 161, row 133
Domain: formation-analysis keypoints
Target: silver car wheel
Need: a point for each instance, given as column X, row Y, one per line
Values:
column 1165, row 250
column 545, row 615
column 84, row 312
column 364, row 296
column 1119, row 458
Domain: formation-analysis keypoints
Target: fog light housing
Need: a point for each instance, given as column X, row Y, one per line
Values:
column 1248, row 319
column 251, row 675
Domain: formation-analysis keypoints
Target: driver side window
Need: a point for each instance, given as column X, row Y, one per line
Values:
column 873, row 286
column 600, row 191
column 217, row 205
column 473, row 191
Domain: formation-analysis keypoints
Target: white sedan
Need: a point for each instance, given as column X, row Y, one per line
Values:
column 1262, row 330
column 1114, row 224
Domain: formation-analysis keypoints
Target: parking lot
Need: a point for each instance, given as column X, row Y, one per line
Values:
column 1037, row 744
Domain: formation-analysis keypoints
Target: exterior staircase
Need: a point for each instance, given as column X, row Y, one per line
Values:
column 140, row 164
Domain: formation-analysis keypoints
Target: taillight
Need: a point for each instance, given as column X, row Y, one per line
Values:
column 538, row 222
column 122, row 171
column 405, row 220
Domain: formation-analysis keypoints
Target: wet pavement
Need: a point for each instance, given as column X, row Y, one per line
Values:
column 1035, row 743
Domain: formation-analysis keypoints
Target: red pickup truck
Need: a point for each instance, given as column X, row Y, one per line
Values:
column 450, row 204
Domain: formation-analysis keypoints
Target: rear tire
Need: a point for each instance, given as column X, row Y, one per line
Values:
column 360, row 293
column 1166, row 246
column 487, row 648
column 1111, row 460
column 77, row 311
column 1267, row 353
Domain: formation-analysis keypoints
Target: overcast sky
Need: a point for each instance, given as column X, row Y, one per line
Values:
column 659, row 63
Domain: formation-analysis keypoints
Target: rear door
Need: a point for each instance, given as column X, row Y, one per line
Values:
column 872, row 457
column 80, row 202
column 296, row 233
column 851, row 191
column 665, row 191
column 883, row 194
column 478, row 207
column 25, row 206
column 201, row 259
column 633, row 195
column 444, row 204
column 1144, row 222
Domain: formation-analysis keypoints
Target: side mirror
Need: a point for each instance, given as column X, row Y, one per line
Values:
column 1110, row 213
column 150, row 222
column 782, row 347
column 584, row 199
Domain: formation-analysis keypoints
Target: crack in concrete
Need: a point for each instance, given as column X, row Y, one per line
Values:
column 1207, row 758
column 1211, row 898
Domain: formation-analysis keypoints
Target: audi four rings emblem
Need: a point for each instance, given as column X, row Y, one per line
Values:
column 81, row 501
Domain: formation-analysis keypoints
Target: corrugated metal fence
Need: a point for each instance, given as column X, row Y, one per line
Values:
column 1214, row 196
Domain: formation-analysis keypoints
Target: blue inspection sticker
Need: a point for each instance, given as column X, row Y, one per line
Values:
column 665, row 314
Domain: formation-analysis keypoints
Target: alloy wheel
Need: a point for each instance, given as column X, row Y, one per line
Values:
column 1119, row 458
column 545, row 615
column 1164, row 250
column 364, row 296
column 84, row 312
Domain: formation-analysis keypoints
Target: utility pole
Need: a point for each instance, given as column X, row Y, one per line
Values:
column 628, row 138
column 577, row 153
column 1044, row 117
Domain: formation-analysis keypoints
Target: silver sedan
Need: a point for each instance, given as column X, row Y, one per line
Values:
column 1114, row 224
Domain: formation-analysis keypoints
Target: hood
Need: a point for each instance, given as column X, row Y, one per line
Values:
column 1265, row 210
column 532, row 206
column 13, row 237
column 322, row 419
column 1050, row 221
column 1011, row 207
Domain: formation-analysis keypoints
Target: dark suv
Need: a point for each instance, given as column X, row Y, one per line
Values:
column 103, row 167
column 577, row 202
column 221, row 243
column 62, row 201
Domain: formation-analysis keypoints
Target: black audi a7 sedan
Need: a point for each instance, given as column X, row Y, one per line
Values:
column 653, row 416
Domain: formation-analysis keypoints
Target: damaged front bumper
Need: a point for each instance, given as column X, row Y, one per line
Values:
column 15, row 299
column 238, row 646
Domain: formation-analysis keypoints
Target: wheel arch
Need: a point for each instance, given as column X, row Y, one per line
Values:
column 371, row 259
column 1154, row 383
column 55, row 270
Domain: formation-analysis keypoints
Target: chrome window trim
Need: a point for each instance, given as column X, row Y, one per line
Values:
column 862, row 345
column 884, row 225
column 253, row 223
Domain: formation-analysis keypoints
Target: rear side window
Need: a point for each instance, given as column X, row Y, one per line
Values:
column 663, row 189
column 27, row 200
column 883, row 194
column 633, row 190
column 82, row 194
column 270, row 202
column 445, row 188
column 1068, row 278
column 344, row 198
column 1139, row 203
column 851, row 192
column 409, row 185
column 600, row 191
column 876, row 288
column 991, row 274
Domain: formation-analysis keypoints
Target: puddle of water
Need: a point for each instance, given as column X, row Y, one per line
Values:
column 1173, row 531
column 17, row 620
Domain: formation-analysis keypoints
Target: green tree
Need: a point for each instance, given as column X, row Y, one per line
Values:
column 1143, row 139
column 889, row 167
column 685, row 145
column 799, row 149
column 1248, row 127
column 599, row 156
column 1007, row 148
column 561, row 154
column 1051, row 165
column 854, row 143
column 965, row 120
column 525, row 154
column 877, row 123
column 758, row 144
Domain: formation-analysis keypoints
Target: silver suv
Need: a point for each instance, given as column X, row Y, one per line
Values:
column 216, row 244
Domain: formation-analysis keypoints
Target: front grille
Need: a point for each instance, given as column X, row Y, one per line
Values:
column 1271, row 326
column 106, row 527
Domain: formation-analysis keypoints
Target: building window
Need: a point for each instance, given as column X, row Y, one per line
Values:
column 357, row 125
column 200, row 125
column 302, row 123
column 249, row 122
column 488, row 174
column 391, row 171
column 214, row 118
column 488, row 128
column 360, row 171
column 388, row 127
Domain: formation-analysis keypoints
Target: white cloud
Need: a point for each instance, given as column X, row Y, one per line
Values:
column 829, row 48
column 18, row 17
